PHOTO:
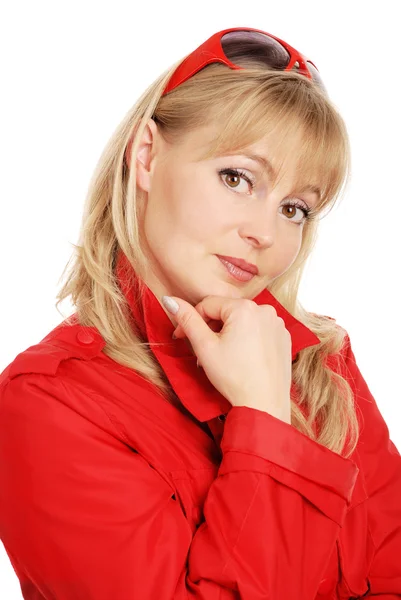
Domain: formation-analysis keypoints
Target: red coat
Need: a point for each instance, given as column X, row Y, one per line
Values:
column 108, row 492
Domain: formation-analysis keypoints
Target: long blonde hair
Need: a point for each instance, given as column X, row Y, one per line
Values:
column 246, row 104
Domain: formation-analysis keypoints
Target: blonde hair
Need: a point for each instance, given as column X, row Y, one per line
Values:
column 246, row 104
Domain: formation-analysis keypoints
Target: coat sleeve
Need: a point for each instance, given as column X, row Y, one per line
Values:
column 84, row 517
column 381, row 463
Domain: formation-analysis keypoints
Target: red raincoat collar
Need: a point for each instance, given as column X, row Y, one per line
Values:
column 190, row 383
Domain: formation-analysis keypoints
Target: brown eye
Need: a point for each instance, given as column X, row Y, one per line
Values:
column 232, row 180
column 291, row 210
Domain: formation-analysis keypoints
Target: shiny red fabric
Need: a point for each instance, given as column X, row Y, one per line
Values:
column 109, row 492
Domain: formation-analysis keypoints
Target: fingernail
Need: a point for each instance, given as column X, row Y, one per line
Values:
column 170, row 304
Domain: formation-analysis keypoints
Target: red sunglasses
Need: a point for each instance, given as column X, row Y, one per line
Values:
column 229, row 45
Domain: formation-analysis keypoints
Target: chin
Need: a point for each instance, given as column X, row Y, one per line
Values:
column 226, row 289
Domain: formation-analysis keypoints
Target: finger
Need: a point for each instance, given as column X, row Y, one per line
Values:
column 212, row 323
column 191, row 322
column 220, row 308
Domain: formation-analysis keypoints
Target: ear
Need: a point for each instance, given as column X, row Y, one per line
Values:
column 145, row 155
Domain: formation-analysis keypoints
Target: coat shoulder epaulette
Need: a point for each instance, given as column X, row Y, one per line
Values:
column 62, row 343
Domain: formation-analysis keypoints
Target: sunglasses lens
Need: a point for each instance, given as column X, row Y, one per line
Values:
column 315, row 75
column 240, row 46
column 245, row 48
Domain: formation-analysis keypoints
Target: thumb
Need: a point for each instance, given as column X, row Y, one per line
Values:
column 191, row 322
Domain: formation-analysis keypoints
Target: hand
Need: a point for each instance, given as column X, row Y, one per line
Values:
column 249, row 361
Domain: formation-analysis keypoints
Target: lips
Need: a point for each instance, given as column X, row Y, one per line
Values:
column 242, row 264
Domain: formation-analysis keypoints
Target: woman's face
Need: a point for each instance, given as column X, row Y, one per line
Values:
column 197, row 209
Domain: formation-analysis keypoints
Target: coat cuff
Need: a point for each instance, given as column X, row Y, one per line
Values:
column 256, row 441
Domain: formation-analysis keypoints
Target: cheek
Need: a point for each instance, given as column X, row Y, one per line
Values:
column 175, row 217
column 287, row 249
column 183, row 205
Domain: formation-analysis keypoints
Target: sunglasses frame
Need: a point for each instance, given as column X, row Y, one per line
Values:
column 211, row 51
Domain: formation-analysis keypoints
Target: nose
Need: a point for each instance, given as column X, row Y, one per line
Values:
column 261, row 230
column 260, row 241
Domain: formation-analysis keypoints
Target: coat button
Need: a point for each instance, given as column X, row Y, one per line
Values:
column 221, row 417
column 85, row 337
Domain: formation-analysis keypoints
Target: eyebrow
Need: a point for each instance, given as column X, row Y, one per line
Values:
column 267, row 166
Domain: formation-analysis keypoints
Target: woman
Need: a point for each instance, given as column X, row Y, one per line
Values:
column 127, row 471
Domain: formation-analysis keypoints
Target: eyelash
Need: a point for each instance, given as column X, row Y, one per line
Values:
column 308, row 212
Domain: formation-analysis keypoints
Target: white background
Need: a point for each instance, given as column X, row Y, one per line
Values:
column 69, row 73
